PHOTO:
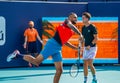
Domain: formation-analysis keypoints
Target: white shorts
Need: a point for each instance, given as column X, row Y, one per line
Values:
column 89, row 54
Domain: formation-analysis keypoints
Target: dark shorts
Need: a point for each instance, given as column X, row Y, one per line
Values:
column 31, row 47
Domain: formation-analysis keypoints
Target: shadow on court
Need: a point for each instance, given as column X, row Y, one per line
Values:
column 21, row 77
column 10, row 75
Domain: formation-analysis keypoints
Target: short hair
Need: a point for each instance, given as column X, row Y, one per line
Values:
column 72, row 13
column 87, row 15
column 30, row 21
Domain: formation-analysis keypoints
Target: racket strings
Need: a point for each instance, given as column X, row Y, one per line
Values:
column 74, row 70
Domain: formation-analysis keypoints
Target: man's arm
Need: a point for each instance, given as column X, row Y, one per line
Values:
column 74, row 28
column 71, row 46
column 95, row 39
column 93, row 42
column 38, row 37
column 95, row 34
column 25, row 43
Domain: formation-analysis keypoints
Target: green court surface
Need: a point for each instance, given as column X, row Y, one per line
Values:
column 105, row 74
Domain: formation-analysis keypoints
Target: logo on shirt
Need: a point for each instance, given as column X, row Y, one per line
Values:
column 88, row 30
column 2, row 31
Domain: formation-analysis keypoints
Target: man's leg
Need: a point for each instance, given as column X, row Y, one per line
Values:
column 36, row 61
column 59, row 70
column 29, row 58
column 85, row 70
column 36, row 54
column 92, row 68
column 93, row 71
column 32, row 49
column 30, row 64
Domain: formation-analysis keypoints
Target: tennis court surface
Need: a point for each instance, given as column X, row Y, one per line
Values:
column 45, row 74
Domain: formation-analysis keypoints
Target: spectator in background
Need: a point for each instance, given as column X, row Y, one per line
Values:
column 31, row 36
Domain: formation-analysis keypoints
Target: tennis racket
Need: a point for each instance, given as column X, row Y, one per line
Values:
column 74, row 70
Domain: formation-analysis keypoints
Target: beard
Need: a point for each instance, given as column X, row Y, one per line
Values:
column 73, row 22
column 30, row 27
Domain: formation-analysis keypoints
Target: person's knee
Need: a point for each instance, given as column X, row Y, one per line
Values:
column 59, row 71
column 31, row 60
column 90, row 64
column 26, row 57
column 85, row 64
column 39, row 59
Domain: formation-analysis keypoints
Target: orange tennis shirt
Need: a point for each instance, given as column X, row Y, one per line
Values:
column 31, row 34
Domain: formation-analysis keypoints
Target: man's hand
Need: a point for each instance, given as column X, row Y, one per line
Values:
column 75, row 47
column 81, row 39
column 71, row 46
column 38, row 37
column 25, row 45
column 88, row 48
column 43, row 43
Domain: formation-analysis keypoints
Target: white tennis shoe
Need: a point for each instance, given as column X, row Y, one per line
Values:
column 12, row 55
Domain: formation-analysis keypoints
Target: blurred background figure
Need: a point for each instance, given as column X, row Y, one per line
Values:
column 31, row 36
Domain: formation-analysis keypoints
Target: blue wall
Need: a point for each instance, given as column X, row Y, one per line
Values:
column 106, row 9
column 17, row 14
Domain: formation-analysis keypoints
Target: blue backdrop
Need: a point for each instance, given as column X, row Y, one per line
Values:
column 17, row 15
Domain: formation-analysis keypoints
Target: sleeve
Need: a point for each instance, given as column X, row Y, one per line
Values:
column 94, row 30
column 25, row 33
